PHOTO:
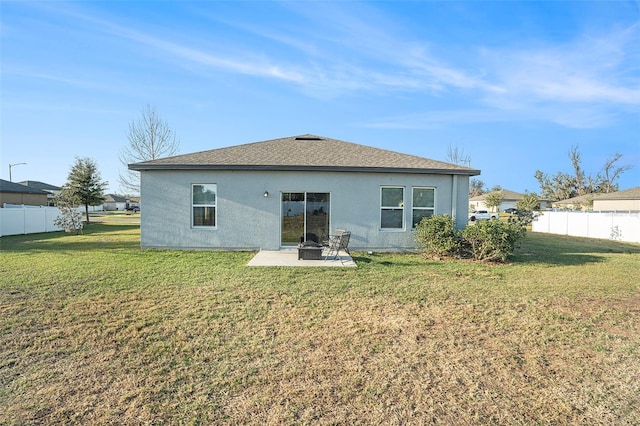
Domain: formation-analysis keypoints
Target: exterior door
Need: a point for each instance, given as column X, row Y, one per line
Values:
column 305, row 217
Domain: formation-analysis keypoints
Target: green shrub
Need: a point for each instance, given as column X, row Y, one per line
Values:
column 491, row 240
column 488, row 240
column 437, row 236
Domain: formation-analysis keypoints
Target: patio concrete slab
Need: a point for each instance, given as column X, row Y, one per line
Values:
column 290, row 258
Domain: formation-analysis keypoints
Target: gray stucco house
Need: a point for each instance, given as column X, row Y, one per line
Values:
column 271, row 194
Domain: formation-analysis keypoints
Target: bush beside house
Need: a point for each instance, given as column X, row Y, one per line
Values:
column 487, row 240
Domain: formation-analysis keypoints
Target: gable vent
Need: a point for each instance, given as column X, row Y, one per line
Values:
column 308, row 138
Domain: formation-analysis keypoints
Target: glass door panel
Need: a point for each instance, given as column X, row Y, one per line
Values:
column 317, row 217
column 292, row 218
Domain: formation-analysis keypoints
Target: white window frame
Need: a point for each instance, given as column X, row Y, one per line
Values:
column 433, row 209
column 214, row 205
column 400, row 207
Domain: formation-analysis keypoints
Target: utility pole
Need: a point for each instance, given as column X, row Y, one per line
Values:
column 10, row 166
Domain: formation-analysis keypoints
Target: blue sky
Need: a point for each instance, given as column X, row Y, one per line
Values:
column 512, row 84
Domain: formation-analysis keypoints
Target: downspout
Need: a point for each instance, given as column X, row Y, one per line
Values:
column 454, row 197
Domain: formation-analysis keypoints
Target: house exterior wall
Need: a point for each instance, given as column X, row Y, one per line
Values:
column 248, row 220
column 505, row 204
column 477, row 205
column 20, row 198
column 570, row 206
column 613, row 205
column 114, row 206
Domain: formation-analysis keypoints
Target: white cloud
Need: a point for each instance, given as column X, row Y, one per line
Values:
column 341, row 48
column 586, row 83
column 591, row 69
column 255, row 66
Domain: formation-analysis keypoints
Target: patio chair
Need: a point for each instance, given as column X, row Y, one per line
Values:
column 338, row 242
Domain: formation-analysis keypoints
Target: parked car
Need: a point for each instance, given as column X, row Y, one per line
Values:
column 133, row 209
column 511, row 210
column 482, row 215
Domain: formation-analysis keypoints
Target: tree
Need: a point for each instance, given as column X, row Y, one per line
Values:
column 528, row 208
column 149, row 138
column 611, row 172
column 476, row 187
column 493, row 199
column 563, row 186
column 559, row 187
column 529, row 202
column 84, row 184
column 579, row 176
column 70, row 218
column 457, row 156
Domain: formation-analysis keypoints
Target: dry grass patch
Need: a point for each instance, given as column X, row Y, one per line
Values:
column 95, row 331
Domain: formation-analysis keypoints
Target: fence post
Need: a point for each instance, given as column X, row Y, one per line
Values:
column 588, row 227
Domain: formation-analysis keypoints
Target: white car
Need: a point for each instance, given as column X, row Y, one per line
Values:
column 482, row 215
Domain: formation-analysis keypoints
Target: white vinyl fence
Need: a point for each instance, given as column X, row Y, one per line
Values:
column 618, row 226
column 15, row 220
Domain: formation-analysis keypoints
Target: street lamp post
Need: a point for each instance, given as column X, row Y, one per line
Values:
column 10, row 166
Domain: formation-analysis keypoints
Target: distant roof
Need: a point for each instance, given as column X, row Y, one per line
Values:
column 16, row 188
column 40, row 185
column 112, row 198
column 627, row 194
column 580, row 199
column 305, row 152
column 506, row 195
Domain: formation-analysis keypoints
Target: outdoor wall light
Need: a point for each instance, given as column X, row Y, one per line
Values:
column 266, row 194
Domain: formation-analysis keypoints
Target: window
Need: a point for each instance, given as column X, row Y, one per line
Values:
column 203, row 205
column 424, row 204
column 391, row 207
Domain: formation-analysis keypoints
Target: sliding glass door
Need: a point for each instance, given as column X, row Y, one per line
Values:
column 305, row 217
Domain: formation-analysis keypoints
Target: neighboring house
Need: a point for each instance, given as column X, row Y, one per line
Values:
column 627, row 200
column 114, row 202
column 15, row 193
column 133, row 202
column 581, row 202
column 509, row 200
column 272, row 194
column 51, row 190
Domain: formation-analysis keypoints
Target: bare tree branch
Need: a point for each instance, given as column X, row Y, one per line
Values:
column 149, row 138
column 611, row 173
column 457, row 156
column 576, row 160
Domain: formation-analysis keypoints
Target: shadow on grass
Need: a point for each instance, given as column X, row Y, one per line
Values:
column 387, row 259
column 94, row 236
column 555, row 249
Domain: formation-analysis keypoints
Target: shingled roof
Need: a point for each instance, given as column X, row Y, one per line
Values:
column 304, row 153
column 627, row 194
column 580, row 199
column 40, row 185
column 16, row 188
column 506, row 195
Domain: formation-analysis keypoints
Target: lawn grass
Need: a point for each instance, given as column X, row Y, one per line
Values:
column 94, row 330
